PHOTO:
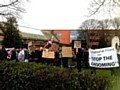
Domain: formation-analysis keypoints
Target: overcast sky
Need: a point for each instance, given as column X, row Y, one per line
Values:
column 55, row 14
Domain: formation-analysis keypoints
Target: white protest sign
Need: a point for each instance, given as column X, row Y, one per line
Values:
column 103, row 58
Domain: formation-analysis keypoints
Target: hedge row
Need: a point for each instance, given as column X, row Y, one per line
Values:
column 33, row 76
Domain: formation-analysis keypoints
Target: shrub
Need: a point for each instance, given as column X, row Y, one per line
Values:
column 33, row 76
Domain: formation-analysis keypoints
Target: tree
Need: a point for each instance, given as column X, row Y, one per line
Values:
column 108, row 6
column 102, row 41
column 10, row 8
column 116, row 23
column 90, row 24
column 12, row 37
column 105, row 24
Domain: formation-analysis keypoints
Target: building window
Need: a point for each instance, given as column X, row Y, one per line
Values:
column 112, row 34
column 91, row 40
column 57, row 34
column 94, row 34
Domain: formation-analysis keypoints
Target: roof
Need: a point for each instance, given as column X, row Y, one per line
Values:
column 44, row 35
column 32, row 36
column 49, row 35
column 35, row 34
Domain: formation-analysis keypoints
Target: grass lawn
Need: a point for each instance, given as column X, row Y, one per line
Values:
column 101, row 72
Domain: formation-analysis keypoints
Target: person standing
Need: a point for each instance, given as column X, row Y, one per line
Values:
column 93, row 69
column 79, row 58
column 57, row 61
column 41, row 58
column 13, row 55
column 71, row 61
column 21, row 55
column 26, row 55
column 60, row 56
column 1, row 54
column 117, row 69
column 86, row 58
column 4, row 53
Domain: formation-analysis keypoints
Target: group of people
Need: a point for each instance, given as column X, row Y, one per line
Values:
column 23, row 55
column 80, row 58
column 12, row 54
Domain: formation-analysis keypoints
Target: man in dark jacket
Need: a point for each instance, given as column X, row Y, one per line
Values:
column 4, row 53
column 86, row 58
column 93, row 69
column 1, row 55
column 79, row 59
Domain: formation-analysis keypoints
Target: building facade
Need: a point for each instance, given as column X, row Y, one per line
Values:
column 73, row 35
column 62, row 35
column 94, row 36
column 37, row 37
column 69, row 36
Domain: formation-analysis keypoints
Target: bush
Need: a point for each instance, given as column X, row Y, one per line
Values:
column 33, row 76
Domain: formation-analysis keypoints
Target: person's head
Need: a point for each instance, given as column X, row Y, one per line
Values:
column 12, row 49
column 36, row 48
column 20, row 48
column 0, row 46
column 41, row 48
column 17, row 50
column 3, row 47
column 60, row 48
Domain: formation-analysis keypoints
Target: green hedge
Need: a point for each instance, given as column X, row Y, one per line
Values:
column 33, row 76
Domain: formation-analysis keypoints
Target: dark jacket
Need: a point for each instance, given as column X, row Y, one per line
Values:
column 1, row 55
column 4, row 52
column 79, row 54
column 13, row 56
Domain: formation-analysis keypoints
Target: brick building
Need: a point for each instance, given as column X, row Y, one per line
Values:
column 62, row 35
column 88, row 37
column 69, row 36
column 94, row 36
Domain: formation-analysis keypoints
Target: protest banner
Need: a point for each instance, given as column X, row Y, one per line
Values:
column 67, row 52
column 32, row 47
column 45, row 54
column 51, row 54
column 103, row 58
column 48, row 54
column 54, row 47
column 29, row 45
column 77, row 44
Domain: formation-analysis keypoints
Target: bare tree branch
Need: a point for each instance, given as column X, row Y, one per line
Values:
column 108, row 6
column 96, row 9
column 116, row 23
column 11, row 8
column 11, row 3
